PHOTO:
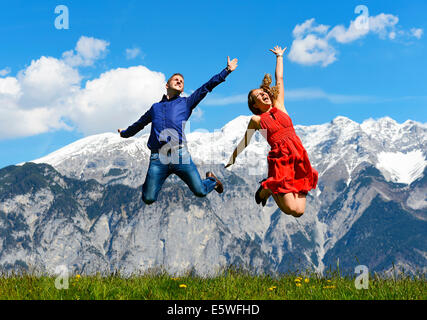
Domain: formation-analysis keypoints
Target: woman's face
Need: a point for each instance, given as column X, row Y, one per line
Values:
column 262, row 100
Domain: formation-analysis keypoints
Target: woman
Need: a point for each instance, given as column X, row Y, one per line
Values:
column 290, row 175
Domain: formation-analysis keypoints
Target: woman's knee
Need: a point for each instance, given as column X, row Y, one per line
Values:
column 297, row 213
column 293, row 210
column 294, row 213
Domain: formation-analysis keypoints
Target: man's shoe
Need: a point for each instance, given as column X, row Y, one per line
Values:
column 218, row 187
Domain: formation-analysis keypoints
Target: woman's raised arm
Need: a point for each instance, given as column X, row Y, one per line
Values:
column 280, row 101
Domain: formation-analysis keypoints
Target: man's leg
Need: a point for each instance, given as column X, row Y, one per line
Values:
column 187, row 171
column 156, row 175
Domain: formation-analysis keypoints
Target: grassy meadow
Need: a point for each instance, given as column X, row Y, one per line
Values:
column 230, row 285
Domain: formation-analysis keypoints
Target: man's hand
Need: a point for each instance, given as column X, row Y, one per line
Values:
column 278, row 51
column 120, row 130
column 231, row 65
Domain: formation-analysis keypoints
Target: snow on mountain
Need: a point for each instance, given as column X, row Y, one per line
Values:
column 345, row 140
column 104, row 157
column 401, row 167
column 87, row 147
column 341, row 140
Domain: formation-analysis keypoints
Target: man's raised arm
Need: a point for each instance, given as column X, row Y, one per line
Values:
column 200, row 93
column 137, row 126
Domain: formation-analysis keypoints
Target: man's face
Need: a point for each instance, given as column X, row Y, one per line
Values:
column 176, row 83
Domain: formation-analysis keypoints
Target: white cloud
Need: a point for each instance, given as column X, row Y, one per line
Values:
column 49, row 95
column 312, row 50
column 302, row 29
column 87, row 51
column 133, row 53
column 355, row 31
column 417, row 33
column 46, row 81
column 31, row 102
column 9, row 87
column 383, row 24
column 316, row 44
column 15, row 122
column 4, row 72
column 20, row 116
column 115, row 99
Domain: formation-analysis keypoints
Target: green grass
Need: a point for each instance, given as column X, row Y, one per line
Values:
column 231, row 285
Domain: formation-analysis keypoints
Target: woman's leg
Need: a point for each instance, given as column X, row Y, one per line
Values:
column 265, row 194
column 291, row 203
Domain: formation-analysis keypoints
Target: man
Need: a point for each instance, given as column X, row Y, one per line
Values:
column 167, row 140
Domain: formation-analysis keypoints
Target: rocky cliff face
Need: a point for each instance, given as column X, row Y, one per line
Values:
column 80, row 206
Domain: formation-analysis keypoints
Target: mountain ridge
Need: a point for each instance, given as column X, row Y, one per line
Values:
column 99, row 179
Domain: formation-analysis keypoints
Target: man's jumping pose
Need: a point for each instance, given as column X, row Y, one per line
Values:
column 167, row 140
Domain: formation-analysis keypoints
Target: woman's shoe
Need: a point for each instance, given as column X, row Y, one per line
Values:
column 258, row 199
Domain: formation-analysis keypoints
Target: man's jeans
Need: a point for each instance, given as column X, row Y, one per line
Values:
column 180, row 163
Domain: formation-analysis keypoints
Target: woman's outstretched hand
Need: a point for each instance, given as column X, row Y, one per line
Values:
column 231, row 65
column 278, row 51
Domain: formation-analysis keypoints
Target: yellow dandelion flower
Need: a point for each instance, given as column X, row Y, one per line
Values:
column 329, row 287
column 272, row 288
column 306, row 280
column 298, row 284
column 183, row 286
column 78, row 277
column 297, row 280
column 174, row 279
column 328, row 281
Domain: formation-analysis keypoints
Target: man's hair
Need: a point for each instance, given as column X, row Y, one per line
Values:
column 175, row 74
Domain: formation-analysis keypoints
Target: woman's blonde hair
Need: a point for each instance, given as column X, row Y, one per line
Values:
column 267, row 88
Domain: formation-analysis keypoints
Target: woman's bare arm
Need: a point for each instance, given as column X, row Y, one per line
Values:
column 252, row 127
column 279, row 103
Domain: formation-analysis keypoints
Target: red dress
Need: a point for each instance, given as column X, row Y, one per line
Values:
column 289, row 169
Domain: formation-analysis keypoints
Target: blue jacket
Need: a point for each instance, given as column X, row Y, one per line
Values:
column 168, row 117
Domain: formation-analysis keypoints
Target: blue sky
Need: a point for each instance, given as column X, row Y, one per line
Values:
column 59, row 85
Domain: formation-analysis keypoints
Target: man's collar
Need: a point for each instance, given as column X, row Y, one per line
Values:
column 165, row 98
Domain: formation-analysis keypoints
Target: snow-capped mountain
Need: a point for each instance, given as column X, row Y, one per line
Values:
column 80, row 206
column 399, row 151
